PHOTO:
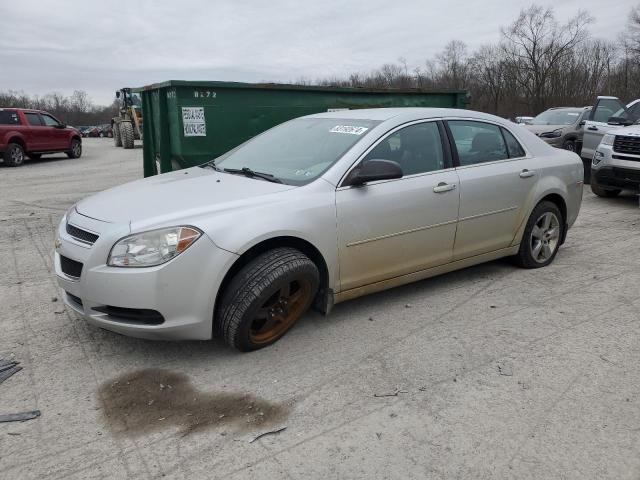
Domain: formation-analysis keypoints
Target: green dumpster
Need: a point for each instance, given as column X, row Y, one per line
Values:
column 188, row 123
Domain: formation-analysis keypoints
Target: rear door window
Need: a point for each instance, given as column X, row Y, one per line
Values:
column 513, row 146
column 9, row 118
column 477, row 142
column 33, row 119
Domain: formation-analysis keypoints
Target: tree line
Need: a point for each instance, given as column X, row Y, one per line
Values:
column 539, row 62
column 76, row 110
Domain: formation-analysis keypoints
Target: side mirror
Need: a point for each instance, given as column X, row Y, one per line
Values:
column 582, row 123
column 619, row 121
column 60, row 126
column 374, row 169
column 118, row 94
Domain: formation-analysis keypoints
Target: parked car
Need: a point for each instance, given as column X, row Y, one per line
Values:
column 561, row 127
column 609, row 113
column 93, row 132
column 616, row 163
column 32, row 133
column 106, row 131
column 315, row 211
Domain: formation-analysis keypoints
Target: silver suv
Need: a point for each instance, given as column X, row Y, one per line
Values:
column 616, row 163
column 561, row 127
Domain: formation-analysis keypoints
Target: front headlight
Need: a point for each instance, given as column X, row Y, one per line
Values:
column 148, row 249
column 608, row 139
column 554, row 134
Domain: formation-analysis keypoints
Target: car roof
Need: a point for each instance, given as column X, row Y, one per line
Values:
column 407, row 114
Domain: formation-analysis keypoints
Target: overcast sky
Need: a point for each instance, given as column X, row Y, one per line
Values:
column 98, row 46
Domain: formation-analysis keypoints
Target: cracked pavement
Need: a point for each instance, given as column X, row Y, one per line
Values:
column 497, row 372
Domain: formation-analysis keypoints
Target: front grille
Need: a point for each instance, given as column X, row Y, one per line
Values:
column 627, row 174
column 70, row 267
column 627, row 144
column 82, row 235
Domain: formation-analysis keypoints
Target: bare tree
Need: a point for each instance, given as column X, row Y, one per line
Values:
column 535, row 44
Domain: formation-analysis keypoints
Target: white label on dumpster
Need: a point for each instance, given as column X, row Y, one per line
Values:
column 193, row 122
column 348, row 129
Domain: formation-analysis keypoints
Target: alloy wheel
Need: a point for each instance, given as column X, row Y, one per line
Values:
column 545, row 237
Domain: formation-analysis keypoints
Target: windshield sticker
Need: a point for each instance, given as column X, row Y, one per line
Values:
column 193, row 122
column 349, row 129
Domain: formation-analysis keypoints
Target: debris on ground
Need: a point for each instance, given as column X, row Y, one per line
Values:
column 408, row 305
column 270, row 432
column 394, row 394
column 505, row 369
column 19, row 417
column 8, row 368
column 54, row 299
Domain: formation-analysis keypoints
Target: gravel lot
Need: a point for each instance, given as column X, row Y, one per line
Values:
column 501, row 372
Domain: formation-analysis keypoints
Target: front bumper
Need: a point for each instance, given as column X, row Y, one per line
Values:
column 610, row 169
column 182, row 291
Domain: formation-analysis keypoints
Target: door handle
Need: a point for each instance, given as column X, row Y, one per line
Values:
column 593, row 128
column 527, row 173
column 444, row 187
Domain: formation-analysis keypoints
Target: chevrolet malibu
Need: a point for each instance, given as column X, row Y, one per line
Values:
column 315, row 211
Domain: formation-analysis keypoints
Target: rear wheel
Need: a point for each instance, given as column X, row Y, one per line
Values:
column 117, row 140
column 266, row 298
column 127, row 135
column 605, row 192
column 76, row 149
column 542, row 236
column 14, row 155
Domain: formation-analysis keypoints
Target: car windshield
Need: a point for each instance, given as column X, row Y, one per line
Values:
column 557, row 117
column 299, row 151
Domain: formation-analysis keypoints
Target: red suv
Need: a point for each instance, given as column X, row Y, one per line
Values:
column 31, row 133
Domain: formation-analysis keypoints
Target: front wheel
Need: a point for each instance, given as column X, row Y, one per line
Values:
column 266, row 298
column 127, row 135
column 569, row 145
column 542, row 236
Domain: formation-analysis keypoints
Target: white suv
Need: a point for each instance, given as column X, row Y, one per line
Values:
column 616, row 162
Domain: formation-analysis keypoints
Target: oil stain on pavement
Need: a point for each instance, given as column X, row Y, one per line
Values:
column 148, row 400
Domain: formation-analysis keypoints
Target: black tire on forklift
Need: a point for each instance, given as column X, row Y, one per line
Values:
column 127, row 134
column 117, row 140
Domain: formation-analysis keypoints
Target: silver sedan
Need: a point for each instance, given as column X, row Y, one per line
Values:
column 316, row 211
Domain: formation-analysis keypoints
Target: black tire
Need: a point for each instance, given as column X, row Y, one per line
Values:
column 569, row 145
column 14, row 155
column 525, row 257
column 117, row 139
column 76, row 149
column 256, row 289
column 34, row 156
column 604, row 192
column 127, row 135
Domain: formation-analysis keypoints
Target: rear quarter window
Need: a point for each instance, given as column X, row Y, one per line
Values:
column 513, row 146
column 9, row 118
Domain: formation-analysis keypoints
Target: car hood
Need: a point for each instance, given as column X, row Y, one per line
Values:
column 632, row 131
column 182, row 193
column 538, row 129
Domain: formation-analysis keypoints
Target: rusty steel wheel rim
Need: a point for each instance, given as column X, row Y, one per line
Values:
column 280, row 311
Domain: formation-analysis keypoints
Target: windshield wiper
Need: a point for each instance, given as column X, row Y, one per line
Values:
column 211, row 164
column 247, row 172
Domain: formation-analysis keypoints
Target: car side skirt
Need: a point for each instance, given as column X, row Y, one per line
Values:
column 422, row 274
